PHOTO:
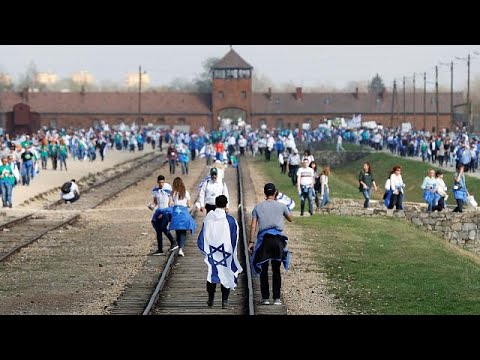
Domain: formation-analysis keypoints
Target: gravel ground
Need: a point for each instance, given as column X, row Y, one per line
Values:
column 304, row 285
column 82, row 269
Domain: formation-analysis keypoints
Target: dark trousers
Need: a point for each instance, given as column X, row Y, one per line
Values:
column 209, row 207
column 397, row 201
column 441, row 204
column 459, row 207
column 211, row 291
column 276, row 279
column 160, row 227
column 75, row 198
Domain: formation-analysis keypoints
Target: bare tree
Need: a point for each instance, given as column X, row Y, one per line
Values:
column 181, row 84
column 28, row 80
column 203, row 81
column 353, row 85
column 261, row 82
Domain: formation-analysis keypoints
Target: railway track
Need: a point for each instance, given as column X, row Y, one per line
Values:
column 179, row 286
column 25, row 230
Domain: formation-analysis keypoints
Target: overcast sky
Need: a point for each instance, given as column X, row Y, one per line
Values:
column 304, row 65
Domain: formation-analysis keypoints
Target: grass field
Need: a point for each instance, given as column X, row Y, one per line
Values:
column 387, row 266
column 344, row 180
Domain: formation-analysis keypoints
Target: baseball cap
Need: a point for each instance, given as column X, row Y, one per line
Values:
column 213, row 171
column 269, row 189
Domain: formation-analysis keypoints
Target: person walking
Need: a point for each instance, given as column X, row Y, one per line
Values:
column 218, row 241
column 441, row 190
column 7, row 180
column 271, row 244
column 324, row 187
column 397, row 186
column 181, row 221
column 210, row 190
column 460, row 191
column 163, row 214
column 305, row 182
column 429, row 187
column 366, row 180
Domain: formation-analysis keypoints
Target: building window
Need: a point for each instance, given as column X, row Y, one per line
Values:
column 221, row 95
column 96, row 123
column 327, row 101
column 378, row 100
column 244, row 74
column 277, row 101
column 181, row 121
column 161, row 120
column 244, row 94
column 289, row 125
column 53, row 123
column 297, row 125
column 433, row 100
column 279, row 124
column 232, row 74
column 219, row 74
column 1, row 121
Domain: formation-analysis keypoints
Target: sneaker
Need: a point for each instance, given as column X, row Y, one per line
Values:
column 224, row 304
column 158, row 253
column 265, row 302
column 277, row 302
column 210, row 303
column 173, row 247
column 181, row 253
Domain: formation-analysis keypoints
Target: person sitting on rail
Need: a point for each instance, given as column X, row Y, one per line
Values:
column 218, row 242
column 70, row 194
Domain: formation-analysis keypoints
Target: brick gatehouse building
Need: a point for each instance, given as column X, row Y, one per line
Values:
column 232, row 89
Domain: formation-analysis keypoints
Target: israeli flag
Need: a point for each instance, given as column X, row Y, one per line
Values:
column 284, row 199
column 218, row 242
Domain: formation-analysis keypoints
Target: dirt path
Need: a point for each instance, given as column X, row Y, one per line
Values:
column 303, row 286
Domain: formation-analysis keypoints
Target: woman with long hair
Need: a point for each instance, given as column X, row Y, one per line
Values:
column 366, row 181
column 324, row 188
column 460, row 191
column 181, row 221
column 396, row 185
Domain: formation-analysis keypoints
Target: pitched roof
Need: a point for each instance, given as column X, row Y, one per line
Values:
column 341, row 103
column 111, row 102
column 232, row 61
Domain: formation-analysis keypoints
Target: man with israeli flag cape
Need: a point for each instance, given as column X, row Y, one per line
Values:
column 218, row 242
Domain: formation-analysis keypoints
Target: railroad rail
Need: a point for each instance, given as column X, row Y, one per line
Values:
column 179, row 287
column 25, row 230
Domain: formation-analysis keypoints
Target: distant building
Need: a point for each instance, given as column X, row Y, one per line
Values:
column 231, row 93
column 45, row 78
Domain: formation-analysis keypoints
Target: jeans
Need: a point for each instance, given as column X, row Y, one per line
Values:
column 26, row 172
column 173, row 164
column 276, row 279
column 309, row 193
column 63, row 161
column 181, row 237
column 160, row 227
column 366, row 194
column 6, row 190
column 326, row 198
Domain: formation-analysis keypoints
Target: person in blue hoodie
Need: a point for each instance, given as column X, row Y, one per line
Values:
column 271, row 244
